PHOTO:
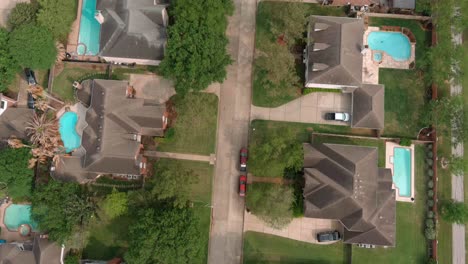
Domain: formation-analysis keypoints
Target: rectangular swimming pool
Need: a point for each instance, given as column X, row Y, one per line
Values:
column 402, row 171
column 90, row 30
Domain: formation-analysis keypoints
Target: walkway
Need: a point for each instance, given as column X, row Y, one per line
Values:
column 226, row 236
column 302, row 229
column 458, row 231
column 309, row 108
column 399, row 16
column 181, row 156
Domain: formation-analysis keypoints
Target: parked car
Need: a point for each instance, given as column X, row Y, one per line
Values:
column 242, row 185
column 328, row 236
column 31, row 101
column 337, row 116
column 30, row 76
column 243, row 159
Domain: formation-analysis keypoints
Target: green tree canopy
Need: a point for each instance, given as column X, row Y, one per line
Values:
column 22, row 14
column 57, row 16
column 279, row 63
column 163, row 234
column 196, row 52
column 289, row 21
column 8, row 66
column 32, row 47
column 59, row 208
column 14, row 172
column 173, row 182
column 272, row 203
column 454, row 212
column 115, row 204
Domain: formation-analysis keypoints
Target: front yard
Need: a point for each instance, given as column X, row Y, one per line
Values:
column 194, row 127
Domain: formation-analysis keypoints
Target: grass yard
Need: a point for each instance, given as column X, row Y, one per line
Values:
column 263, row 248
column 465, row 98
column 405, row 90
column 201, row 195
column 195, row 125
column 267, row 95
column 410, row 241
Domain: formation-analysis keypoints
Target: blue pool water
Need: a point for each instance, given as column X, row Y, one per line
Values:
column 402, row 171
column 90, row 30
column 67, row 130
column 378, row 56
column 394, row 44
column 17, row 215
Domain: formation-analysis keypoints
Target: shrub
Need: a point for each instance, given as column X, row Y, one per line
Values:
column 430, row 193
column 431, row 261
column 405, row 142
column 430, row 222
column 170, row 133
column 430, row 214
column 430, row 155
column 430, row 172
column 430, row 233
column 430, row 184
column 429, row 147
column 430, row 162
column 430, row 203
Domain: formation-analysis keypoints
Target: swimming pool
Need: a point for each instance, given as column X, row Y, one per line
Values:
column 395, row 44
column 90, row 30
column 402, row 171
column 67, row 130
column 19, row 215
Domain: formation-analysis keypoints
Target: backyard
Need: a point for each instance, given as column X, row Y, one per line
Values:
column 194, row 127
column 410, row 241
column 264, row 93
column 263, row 248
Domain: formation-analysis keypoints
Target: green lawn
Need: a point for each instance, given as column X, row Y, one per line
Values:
column 266, row 95
column 405, row 90
column 465, row 97
column 410, row 241
column 262, row 248
column 194, row 126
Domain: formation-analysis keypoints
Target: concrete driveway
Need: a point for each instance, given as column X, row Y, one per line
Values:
column 309, row 108
column 5, row 9
column 302, row 229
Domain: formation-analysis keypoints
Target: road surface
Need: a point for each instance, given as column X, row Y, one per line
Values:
column 226, row 234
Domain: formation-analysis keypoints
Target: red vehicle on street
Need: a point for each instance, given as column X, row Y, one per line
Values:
column 242, row 185
column 243, row 159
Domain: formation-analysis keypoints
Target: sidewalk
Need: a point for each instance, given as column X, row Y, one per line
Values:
column 182, row 156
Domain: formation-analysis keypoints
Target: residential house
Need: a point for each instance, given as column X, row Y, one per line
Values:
column 400, row 4
column 132, row 31
column 112, row 118
column 334, row 61
column 39, row 251
column 343, row 182
column 13, row 118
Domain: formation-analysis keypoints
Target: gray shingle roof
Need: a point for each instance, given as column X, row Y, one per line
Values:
column 343, row 182
column 342, row 57
column 14, row 120
column 133, row 29
column 368, row 106
column 41, row 251
column 404, row 4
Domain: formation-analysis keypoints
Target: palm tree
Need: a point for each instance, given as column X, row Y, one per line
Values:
column 44, row 136
column 14, row 142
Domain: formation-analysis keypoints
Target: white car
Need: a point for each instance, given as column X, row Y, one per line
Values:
column 337, row 116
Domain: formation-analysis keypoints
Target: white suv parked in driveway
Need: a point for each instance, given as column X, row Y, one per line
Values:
column 337, row 116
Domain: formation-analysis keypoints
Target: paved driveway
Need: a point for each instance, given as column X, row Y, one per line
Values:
column 309, row 108
column 302, row 229
column 5, row 9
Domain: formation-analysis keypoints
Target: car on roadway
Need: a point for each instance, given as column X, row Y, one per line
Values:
column 244, row 156
column 242, row 185
column 337, row 116
column 328, row 236
column 30, row 77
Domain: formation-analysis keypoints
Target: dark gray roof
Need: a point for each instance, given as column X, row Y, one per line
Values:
column 338, row 60
column 41, row 252
column 403, row 4
column 14, row 120
column 133, row 29
column 368, row 106
column 343, row 182
column 109, row 142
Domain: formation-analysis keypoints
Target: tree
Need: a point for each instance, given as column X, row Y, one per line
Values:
column 272, row 203
column 163, row 234
column 171, row 181
column 59, row 208
column 457, row 165
column 430, row 233
column 57, row 16
column 279, row 64
column 288, row 20
column 8, row 66
column 115, row 204
column 196, row 54
column 14, row 172
column 32, row 47
column 423, row 7
column 22, row 14
column 454, row 212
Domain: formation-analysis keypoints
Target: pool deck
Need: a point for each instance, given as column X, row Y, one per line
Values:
column 370, row 73
column 389, row 146
column 10, row 236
